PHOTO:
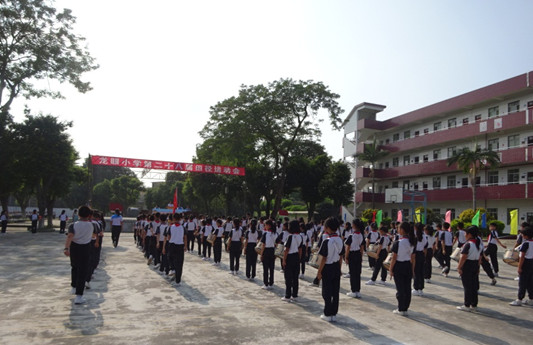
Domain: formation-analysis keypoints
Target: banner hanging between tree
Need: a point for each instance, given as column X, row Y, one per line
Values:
column 164, row 165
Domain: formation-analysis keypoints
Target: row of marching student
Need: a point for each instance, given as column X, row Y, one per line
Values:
column 405, row 253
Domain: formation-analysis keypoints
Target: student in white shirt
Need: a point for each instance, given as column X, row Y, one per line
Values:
column 420, row 258
column 267, row 254
column 402, row 266
column 34, row 219
column 355, row 248
column 217, row 245
column 62, row 222
column 176, row 238
column 251, row 238
column 116, row 227
column 208, row 229
column 525, row 268
column 492, row 247
column 428, row 230
column 468, row 269
column 291, row 261
column 235, row 246
column 3, row 220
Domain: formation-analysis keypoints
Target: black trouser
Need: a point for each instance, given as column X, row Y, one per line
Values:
column 308, row 254
column 355, row 263
column 207, row 248
column 526, row 280
column 164, row 257
column 251, row 260
column 379, row 266
column 268, row 266
column 235, row 255
column 492, row 252
column 79, row 260
column 176, row 252
column 439, row 257
column 486, row 267
column 291, row 275
column 403, row 274
column 199, row 238
column 427, row 263
column 371, row 261
column 217, row 249
column 115, row 234
column 418, row 281
column 4, row 226
column 331, row 283
column 470, row 279
column 62, row 226
column 446, row 258
column 93, row 257
column 34, row 226
column 159, row 252
column 190, row 241
column 303, row 260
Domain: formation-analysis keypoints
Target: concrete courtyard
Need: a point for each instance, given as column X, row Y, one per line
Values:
column 131, row 303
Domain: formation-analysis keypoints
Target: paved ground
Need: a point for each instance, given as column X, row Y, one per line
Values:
column 131, row 303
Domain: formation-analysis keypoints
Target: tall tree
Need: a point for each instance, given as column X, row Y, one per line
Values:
column 47, row 157
column 371, row 154
column 126, row 190
column 277, row 117
column 101, row 195
column 336, row 184
column 471, row 162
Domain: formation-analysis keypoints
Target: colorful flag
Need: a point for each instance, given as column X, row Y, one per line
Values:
column 514, row 222
column 379, row 217
column 399, row 218
column 484, row 220
column 373, row 216
column 448, row 217
column 475, row 220
column 175, row 204
column 418, row 217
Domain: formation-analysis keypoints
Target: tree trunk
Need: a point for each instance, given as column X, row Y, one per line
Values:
column 268, row 201
column 473, row 183
column 50, row 210
column 311, row 207
column 3, row 200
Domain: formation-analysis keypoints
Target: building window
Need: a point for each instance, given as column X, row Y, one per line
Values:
column 492, row 213
column 387, row 141
column 451, row 181
column 395, row 161
column 394, row 184
column 425, row 158
column 451, row 151
column 406, row 159
column 395, row 137
column 478, row 181
column 493, row 178
column 530, row 141
column 494, row 144
column 529, row 217
column 436, row 154
column 436, row 183
column 509, row 215
column 477, row 117
column 530, row 177
column 513, row 140
column 452, row 123
column 424, row 185
column 426, row 130
column 494, row 111
column 406, row 185
column 464, row 182
column 512, row 176
column 386, row 165
column 381, row 165
column 452, row 211
column 417, row 159
column 415, row 186
column 406, row 134
column 417, row 133
column 513, row 107
column 465, row 121
column 437, row 126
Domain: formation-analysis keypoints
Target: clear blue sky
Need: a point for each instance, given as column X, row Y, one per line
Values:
column 164, row 63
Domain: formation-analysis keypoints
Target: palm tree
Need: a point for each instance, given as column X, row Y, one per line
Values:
column 472, row 162
column 371, row 154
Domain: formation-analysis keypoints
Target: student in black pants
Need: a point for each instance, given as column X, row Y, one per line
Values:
column 420, row 258
column 329, row 270
column 354, row 257
column 291, row 261
column 250, row 241
column 438, row 251
column 446, row 239
column 77, row 246
column 200, row 236
column 428, row 229
column 401, row 267
column 235, row 246
column 468, row 269
column 492, row 247
column 176, row 239
column 382, row 250
column 160, row 242
column 34, row 219
column 217, row 245
column 525, row 268
column 267, row 254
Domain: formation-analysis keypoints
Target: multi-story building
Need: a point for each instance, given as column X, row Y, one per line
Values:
column 497, row 117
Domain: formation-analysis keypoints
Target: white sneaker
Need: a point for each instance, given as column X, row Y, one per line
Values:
column 347, row 275
column 401, row 313
column 301, row 276
column 270, row 287
column 334, row 318
column 172, row 273
column 358, row 295
column 176, row 284
column 370, row 282
column 352, row 294
column 415, row 292
column 294, row 299
column 73, row 291
column 232, row 273
column 428, row 281
column 496, row 275
column 87, row 285
column 473, row 309
column 285, row 299
column 517, row 278
column 420, row 293
column 464, row 308
column 326, row 318
column 527, row 302
column 157, row 266
column 264, row 287
column 382, row 282
column 516, row 303
column 79, row 299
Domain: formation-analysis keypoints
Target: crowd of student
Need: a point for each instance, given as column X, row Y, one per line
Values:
column 406, row 249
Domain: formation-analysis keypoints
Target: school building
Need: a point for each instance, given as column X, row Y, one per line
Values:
column 497, row 117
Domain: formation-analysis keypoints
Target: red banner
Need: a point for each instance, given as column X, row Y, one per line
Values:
column 163, row 165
